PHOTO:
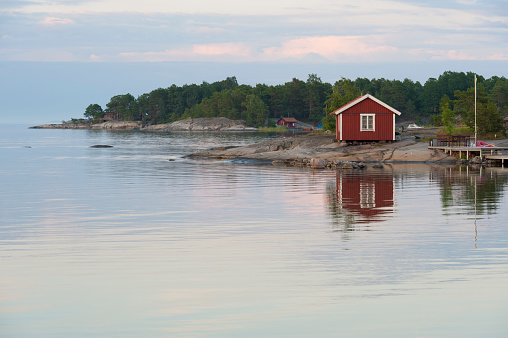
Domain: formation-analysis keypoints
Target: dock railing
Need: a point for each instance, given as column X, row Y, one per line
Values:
column 453, row 141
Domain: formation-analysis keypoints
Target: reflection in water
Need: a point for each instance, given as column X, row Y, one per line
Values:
column 478, row 190
column 365, row 197
column 473, row 190
column 359, row 197
column 122, row 242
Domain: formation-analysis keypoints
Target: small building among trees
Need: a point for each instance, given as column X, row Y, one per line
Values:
column 365, row 119
column 288, row 122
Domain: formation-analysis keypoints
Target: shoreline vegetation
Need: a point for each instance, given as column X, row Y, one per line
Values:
column 449, row 103
column 442, row 101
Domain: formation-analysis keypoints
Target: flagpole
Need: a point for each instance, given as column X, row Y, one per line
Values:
column 475, row 128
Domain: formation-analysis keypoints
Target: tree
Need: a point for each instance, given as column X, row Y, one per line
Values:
column 123, row 106
column 447, row 115
column 255, row 110
column 94, row 111
column 315, row 96
column 431, row 95
column 343, row 92
column 499, row 94
column 295, row 94
column 488, row 119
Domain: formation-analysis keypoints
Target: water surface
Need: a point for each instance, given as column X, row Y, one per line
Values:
column 124, row 242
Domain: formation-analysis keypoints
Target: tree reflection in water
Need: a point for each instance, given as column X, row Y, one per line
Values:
column 479, row 189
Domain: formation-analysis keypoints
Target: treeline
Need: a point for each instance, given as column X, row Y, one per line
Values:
column 308, row 100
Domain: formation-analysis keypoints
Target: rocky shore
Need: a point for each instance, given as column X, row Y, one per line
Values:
column 320, row 151
column 323, row 151
column 312, row 150
column 199, row 124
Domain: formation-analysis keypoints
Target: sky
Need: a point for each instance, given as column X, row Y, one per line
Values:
column 58, row 56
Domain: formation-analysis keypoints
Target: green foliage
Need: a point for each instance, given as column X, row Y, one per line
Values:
column 310, row 100
column 499, row 94
column 94, row 111
column 270, row 123
column 343, row 92
column 273, row 129
column 457, row 130
column 328, row 123
column 447, row 115
column 488, row 119
column 123, row 106
column 255, row 110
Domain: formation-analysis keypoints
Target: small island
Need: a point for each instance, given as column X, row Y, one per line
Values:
column 444, row 105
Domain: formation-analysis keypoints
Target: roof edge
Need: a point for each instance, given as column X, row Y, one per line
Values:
column 360, row 99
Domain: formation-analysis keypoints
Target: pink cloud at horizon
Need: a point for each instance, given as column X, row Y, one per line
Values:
column 52, row 21
column 333, row 48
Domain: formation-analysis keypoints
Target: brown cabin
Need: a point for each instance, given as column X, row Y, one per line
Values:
column 365, row 119
column 288, row 122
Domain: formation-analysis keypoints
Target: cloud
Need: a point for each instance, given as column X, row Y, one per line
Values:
column 498, row 57
column 315, row 49
column 337, row 31
column 196, row 52
column 332, row 48
column 451, row 55
column 52, row 21
column 206, row 30
column 474, row 55
column 467, row 2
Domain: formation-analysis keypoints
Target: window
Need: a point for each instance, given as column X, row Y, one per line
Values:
column 367, row 122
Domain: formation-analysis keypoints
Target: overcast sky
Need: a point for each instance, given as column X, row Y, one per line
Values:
column 69, row 53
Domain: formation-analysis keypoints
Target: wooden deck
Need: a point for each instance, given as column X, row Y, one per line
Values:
column 489, row 153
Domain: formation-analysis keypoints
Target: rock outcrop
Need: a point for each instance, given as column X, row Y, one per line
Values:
column 318, row 151
column 199, row 124
column 202, row 124
column 121, row 125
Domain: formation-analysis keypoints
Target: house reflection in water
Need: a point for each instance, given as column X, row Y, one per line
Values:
column 359, row 198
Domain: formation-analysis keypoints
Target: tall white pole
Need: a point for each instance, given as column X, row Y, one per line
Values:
column 475, row 128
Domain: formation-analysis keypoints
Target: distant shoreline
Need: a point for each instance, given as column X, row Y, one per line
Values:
column 199, row 124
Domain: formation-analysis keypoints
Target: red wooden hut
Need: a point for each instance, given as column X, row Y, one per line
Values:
column 365, row 119
column 288, row 122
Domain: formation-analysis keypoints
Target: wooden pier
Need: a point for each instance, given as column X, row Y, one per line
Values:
column 488, row 153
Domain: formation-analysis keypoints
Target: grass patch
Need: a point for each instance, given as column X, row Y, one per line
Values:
column 459, row 130
column 272, row 129
column 493, row 136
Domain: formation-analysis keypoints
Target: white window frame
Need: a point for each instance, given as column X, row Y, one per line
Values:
column 373, row 122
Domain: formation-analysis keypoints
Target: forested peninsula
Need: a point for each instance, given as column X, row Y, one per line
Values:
column 439, row 102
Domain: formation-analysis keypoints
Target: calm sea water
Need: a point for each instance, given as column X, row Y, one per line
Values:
column 122, row 242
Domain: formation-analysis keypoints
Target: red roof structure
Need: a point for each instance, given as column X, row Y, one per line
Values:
column 289, row 122
column 365, row 119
